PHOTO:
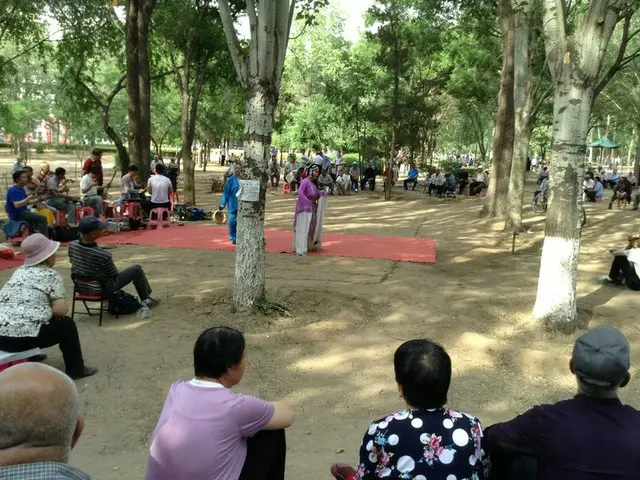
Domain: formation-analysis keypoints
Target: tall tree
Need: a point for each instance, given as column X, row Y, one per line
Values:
column 575, row 53
column 139, row 82
column 496, row 202
column 259, row 68
column 531, row 90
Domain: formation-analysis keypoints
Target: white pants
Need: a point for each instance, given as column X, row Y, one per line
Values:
column 301, row 235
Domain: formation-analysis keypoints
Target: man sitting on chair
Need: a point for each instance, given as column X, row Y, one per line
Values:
column 90, row 261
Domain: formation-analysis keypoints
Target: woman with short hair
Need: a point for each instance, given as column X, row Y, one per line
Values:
column 208, row 431
column 33, row 308
column 425, row 440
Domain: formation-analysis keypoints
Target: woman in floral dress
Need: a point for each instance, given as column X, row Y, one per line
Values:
column 426, row 440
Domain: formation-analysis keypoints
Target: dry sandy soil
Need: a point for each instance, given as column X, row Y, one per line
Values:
column 332, row 360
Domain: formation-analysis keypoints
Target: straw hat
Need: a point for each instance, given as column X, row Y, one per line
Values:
column 220, row 217
column 37, row 248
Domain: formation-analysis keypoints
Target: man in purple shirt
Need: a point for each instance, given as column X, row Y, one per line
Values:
column 208, row 431
column 592, row 436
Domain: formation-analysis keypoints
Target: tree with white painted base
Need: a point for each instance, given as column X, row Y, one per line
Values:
column 259, row 68
column 575, row 56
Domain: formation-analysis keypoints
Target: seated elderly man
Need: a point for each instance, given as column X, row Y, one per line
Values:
column 37, row 445
column 592, row 436
column 89, row 261
column 57, row 195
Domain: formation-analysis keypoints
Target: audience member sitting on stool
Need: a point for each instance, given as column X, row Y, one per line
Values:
column 599, row 188
column 57, row 195
column 18, row 205
column 369, row 179
column 592, row 436
column 160, row 189
column 626, row 265
column 426, row 440
column 129, row 189
column 621, row 192
column 33, row 308
column 463, row 179
column 274, row 171
column 230, row 436
column 40, row 424
column 478, row 184
column 89, row 190
column 412, row 178
column 89, row 261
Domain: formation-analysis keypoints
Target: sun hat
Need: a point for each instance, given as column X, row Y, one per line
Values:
column 601, row 357
column 89, row 224
column 37, row 248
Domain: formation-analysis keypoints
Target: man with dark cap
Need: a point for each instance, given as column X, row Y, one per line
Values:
column 89, row 261
column 591, row 436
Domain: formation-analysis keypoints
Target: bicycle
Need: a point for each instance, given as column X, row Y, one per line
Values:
column 539, row 204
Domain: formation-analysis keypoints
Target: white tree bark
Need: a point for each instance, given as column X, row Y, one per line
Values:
column 260, row 73
column 574, row 62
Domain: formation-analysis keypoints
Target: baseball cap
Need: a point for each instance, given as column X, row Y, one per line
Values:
column 89, row 224
column 601, row 357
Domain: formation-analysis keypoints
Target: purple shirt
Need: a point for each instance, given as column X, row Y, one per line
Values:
column 579, row 439
column 202, row 432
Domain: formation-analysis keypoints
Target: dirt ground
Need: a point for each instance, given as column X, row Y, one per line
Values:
column 332, row 360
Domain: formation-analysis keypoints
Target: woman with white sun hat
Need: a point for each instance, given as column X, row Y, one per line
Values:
column 33, row 308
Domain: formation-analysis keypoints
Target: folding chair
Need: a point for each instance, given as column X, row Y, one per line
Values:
column 84, row 290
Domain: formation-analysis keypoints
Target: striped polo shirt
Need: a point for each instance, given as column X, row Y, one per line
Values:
column 91, row 261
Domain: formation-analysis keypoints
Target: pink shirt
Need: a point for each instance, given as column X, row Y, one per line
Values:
column 202, row 432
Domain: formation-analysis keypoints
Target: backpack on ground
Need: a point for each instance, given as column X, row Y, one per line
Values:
column 195, row 214
column 123, row 303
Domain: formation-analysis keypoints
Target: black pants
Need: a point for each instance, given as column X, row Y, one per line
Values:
column 476, row 187
column 622, row 269
column 134, row 274
column 462, row 185
column 148, row 206
column 36, row 222
column 59, row 331
column 266, row 456
column 506, row 466
column 414, row 181
column 293, row 184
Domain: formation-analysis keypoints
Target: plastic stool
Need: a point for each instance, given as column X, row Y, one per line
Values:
column 22, row 234
column 61, row 218
column 84, row 212
column 133, row 210
column 159, row 221
column 286, row 187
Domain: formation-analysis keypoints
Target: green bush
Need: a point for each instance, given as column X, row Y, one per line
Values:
column 5, row 144
column 64, row 147
column 350, row 158
column 40, row 148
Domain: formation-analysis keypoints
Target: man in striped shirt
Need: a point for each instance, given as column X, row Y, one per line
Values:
column 89, row 261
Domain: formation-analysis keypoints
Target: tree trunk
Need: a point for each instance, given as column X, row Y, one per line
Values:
column 250, row 256
column 115, row 138
column 495, row 205
column 636, row 163
column 522, row 96
column 188, row 172
column 556, row 300
column 133, row 84
column 145, row 85
column 139, row 82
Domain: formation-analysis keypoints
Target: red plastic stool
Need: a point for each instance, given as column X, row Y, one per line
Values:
column 286, row 187
column 61, row 218
column 159, row 220
column 133, row 210
column 84, row 212
column 22, row 234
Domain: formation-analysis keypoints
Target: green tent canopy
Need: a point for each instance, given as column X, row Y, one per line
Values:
column 603, row 142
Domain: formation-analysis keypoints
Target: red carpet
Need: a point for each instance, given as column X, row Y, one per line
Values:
column 419, row 250
column 13, row 263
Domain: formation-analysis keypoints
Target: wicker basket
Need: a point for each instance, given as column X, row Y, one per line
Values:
column 220, row 217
